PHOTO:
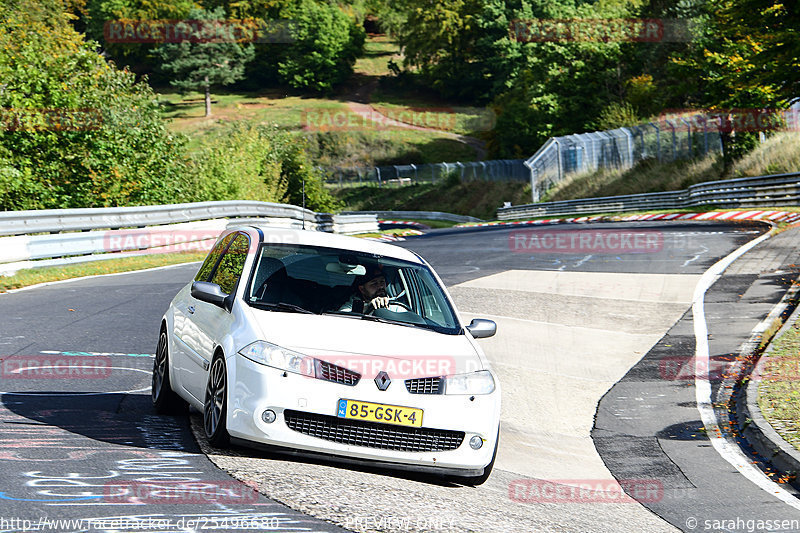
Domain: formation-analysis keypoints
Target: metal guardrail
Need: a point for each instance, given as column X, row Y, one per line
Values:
column 762, row 191
column 424, row 215
column 58, row 220
column 59, row 236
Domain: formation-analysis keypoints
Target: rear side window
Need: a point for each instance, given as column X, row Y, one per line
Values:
column 232, row 264
column 208, row 265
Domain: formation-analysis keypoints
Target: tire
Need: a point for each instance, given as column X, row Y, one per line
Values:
column 165, row 401
column 474, row 481
column 216, row 404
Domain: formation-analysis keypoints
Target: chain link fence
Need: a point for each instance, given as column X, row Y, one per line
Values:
column 678, row 137
column 496, row 170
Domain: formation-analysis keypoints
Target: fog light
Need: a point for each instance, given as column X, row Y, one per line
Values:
column 475, row 442
column 268, row 416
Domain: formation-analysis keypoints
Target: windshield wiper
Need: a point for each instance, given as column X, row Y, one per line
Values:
column 374, row 318
column 283, row 306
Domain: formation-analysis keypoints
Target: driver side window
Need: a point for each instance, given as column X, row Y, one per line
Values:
column 232, row 263
column 211, row 259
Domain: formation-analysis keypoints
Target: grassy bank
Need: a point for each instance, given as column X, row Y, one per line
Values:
column 475, row 198
column 25, row 278
column 360, row 142
column 778, row 154
column 779, row 390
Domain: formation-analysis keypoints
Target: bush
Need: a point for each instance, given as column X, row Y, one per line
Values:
column 325, row 48
column 76, row 132
column 249, row 162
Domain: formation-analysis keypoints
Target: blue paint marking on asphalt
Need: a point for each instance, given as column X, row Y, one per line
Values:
column 6, row 497
column 96, row 354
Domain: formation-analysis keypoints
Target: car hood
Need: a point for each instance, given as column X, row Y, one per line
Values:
column 369, row 347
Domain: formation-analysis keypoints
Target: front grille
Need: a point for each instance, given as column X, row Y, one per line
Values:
column 337, row 374
column 373, row 434
column 425, row 385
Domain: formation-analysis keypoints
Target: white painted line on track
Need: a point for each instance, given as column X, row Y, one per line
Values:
column 728, row 451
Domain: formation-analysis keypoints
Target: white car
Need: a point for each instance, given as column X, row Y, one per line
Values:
column 277, row 342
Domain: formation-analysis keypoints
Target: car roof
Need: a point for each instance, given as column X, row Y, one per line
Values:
column 330, row 240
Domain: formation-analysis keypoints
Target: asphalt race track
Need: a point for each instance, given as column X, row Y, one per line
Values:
column 577, row 321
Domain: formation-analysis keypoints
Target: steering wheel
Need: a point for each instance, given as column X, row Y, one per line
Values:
column 393, row 301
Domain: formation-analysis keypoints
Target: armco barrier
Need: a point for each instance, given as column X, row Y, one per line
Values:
column 58, row 220
column 765, row 191
column 60, row 236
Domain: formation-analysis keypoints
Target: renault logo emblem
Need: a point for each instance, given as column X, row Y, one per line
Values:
column 382, row 380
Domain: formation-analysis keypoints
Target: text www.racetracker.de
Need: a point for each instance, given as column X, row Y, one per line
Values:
column 143, row 523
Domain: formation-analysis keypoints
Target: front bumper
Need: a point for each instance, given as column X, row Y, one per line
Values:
column 256, row 388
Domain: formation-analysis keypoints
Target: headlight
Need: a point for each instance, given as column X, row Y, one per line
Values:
column 480, row 382
column 275, row 356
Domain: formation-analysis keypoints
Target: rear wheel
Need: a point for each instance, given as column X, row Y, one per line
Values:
column 164, row 398
column 216, row 404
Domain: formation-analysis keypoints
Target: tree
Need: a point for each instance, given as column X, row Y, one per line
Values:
column 97, row 18
column 727, row 64
column 201, row 62
column 74, row 130
column 771, row 30
column 324, row 48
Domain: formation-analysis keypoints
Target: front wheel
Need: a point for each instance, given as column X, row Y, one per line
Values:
column 216, row 404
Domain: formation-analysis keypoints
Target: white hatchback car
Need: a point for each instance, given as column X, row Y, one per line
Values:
column 274, row 342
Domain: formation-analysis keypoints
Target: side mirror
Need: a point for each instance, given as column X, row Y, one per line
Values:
column 209, row 292
column 481, row 328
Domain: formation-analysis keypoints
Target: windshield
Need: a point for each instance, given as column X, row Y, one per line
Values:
column 295, row 278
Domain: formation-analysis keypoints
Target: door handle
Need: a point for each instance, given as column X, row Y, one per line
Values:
column 191, row 309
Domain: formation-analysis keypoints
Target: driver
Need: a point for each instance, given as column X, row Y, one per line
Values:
column 369, row 293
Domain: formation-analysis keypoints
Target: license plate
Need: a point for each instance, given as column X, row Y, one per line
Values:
column 378, row 412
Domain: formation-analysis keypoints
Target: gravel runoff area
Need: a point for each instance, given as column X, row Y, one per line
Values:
column 368, row 501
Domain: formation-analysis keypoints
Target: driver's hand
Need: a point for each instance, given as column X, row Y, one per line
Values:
column 379, row 302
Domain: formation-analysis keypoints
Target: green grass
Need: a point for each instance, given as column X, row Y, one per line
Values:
column 364, row 144
column 186, row 113
column 475, row 198
column 378, row 50
column 779, row 389
column 361, row 143
column 434, row 224
column 32, row 276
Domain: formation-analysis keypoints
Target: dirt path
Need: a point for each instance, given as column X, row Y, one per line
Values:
column 360, row 105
